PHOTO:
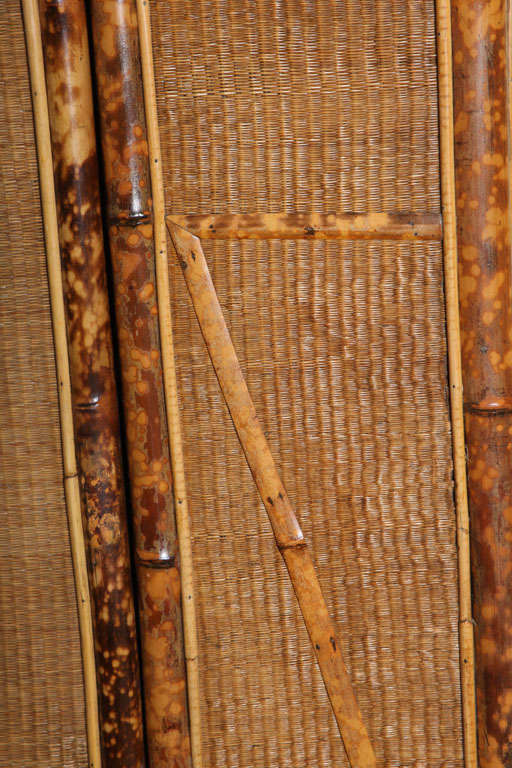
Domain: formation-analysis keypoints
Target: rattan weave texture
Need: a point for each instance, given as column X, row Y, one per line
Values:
column 41, row 689
column 317, row 106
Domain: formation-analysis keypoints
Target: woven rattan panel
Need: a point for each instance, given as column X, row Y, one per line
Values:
column 317, row 106
column 41, row 699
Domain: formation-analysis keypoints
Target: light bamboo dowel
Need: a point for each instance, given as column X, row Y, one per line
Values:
column 71, row 482
column 287, row 532
column 170, row 385
column 466, row 633
column 313, row 226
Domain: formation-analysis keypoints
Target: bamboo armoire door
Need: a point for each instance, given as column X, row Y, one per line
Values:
column 296, row 109
column 300, row 139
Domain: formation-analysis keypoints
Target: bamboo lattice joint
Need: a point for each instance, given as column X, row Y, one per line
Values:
column 282, row 517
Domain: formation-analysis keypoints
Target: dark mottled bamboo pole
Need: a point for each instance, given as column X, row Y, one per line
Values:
column 129, row 208
column 95, row 407
column 482, row 135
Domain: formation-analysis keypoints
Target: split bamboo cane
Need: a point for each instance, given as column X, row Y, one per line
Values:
column 130, row 226
column 287, row 532
column 93, row 386
column 451, row 289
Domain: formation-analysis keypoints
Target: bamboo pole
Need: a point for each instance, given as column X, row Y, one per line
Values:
column 313, row 226
column 71, row 483
column 287, row 532
column 466, row 634
column 482, row 174
column 93, row 386
column 170, row 385
column 130, row 217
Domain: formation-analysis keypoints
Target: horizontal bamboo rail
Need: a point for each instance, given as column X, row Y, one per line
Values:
column 71, row 482
column 313, row 226
column 287, row 532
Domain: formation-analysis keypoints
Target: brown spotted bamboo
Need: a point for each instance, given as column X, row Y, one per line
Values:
column 93, row 386
column 313, row 226
column 287, row 532
column 129, row 212
column 482, row 147
column 171, row 386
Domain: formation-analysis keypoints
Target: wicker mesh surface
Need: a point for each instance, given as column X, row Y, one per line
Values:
column 41, row 699
column 317, row 106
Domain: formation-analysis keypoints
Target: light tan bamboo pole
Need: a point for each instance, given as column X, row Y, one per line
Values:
column 287, row 532
column 448, row 199
column 313, row 226
column 71, row 482
column 170, row 384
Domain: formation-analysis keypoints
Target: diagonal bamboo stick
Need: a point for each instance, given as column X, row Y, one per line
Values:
column 287, row 532
column 71, row 482
column 93, row 386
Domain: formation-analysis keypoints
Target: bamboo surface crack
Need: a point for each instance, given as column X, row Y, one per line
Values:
column 275, row 499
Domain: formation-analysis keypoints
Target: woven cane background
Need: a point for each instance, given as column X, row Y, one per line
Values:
column 317, row 106
column 41, row 691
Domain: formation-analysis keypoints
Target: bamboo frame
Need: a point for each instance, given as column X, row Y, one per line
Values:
column 313, row 226
column 170, row 385
column 466, row 634
column 71, row 482
column 287, row 532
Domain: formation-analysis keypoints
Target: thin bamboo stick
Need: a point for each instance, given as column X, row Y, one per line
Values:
column 313, row 226
column 482, row 174
column 71, row 482
column 93, row 386
column 130, row 217
column 287, row 532
column 466, row 634
column 170, row 385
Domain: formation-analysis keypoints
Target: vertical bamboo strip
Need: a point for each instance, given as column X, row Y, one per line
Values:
column 71, row 482
column 287, row 532
column 482, row 145
column 466, row 634
column 93, row 386
column 170, row 384
column 130, row 217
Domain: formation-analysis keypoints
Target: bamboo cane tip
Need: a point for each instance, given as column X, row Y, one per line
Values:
column 184, row 241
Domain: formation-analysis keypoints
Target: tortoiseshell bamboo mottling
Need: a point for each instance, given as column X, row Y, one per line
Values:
column 312, row 226
column 95, row 405
column 482, row 181
column 125, row 152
